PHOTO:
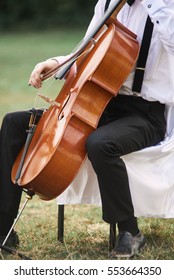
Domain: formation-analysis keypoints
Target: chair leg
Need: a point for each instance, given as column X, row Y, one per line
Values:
column 112, row 237
column 60, row 234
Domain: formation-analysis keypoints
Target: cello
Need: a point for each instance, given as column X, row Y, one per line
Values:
column 56, row 150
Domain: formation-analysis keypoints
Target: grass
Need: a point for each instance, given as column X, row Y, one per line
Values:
column 86, row 235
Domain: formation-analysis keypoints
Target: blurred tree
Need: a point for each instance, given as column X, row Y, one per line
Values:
column 30, row 14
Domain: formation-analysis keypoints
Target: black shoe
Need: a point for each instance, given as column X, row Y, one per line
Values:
column 127, row 245
column 12, row 241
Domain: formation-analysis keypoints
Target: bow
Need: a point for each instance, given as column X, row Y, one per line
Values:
column 130, row 2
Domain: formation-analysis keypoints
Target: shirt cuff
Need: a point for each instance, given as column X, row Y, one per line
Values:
column 60, row 59
column 152, row 6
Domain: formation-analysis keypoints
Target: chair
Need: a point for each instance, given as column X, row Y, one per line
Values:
column 151, row 182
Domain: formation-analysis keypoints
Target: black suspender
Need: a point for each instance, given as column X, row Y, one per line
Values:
column 141, row 62
column 130, row 2
column 142, row 58
column 107, row 4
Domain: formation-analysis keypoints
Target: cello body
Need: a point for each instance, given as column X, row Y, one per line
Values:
column 57, row 149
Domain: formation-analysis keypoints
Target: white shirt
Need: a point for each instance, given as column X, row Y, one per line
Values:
column 158, row 81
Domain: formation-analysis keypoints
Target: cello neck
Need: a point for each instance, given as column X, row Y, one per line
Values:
column 118, row 8
column 113, row 10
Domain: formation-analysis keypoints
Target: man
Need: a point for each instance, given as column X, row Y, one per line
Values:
column 132, row 121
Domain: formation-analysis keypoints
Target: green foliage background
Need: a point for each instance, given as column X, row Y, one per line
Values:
column 41, row 14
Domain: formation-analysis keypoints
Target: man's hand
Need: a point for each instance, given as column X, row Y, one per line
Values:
column 40, row 69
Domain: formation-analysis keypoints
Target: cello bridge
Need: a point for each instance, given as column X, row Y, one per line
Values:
column 49, row 100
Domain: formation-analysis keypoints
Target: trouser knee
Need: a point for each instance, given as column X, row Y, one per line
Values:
column 16, row 121
column 99, row 149
column 7, row 120
column 94, row 147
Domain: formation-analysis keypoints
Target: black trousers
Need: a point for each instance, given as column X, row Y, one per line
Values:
column 128, row 124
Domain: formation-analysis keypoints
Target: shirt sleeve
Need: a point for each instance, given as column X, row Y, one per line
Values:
column 162, row 15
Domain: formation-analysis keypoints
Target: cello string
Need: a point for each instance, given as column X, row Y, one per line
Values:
column 36, row 105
